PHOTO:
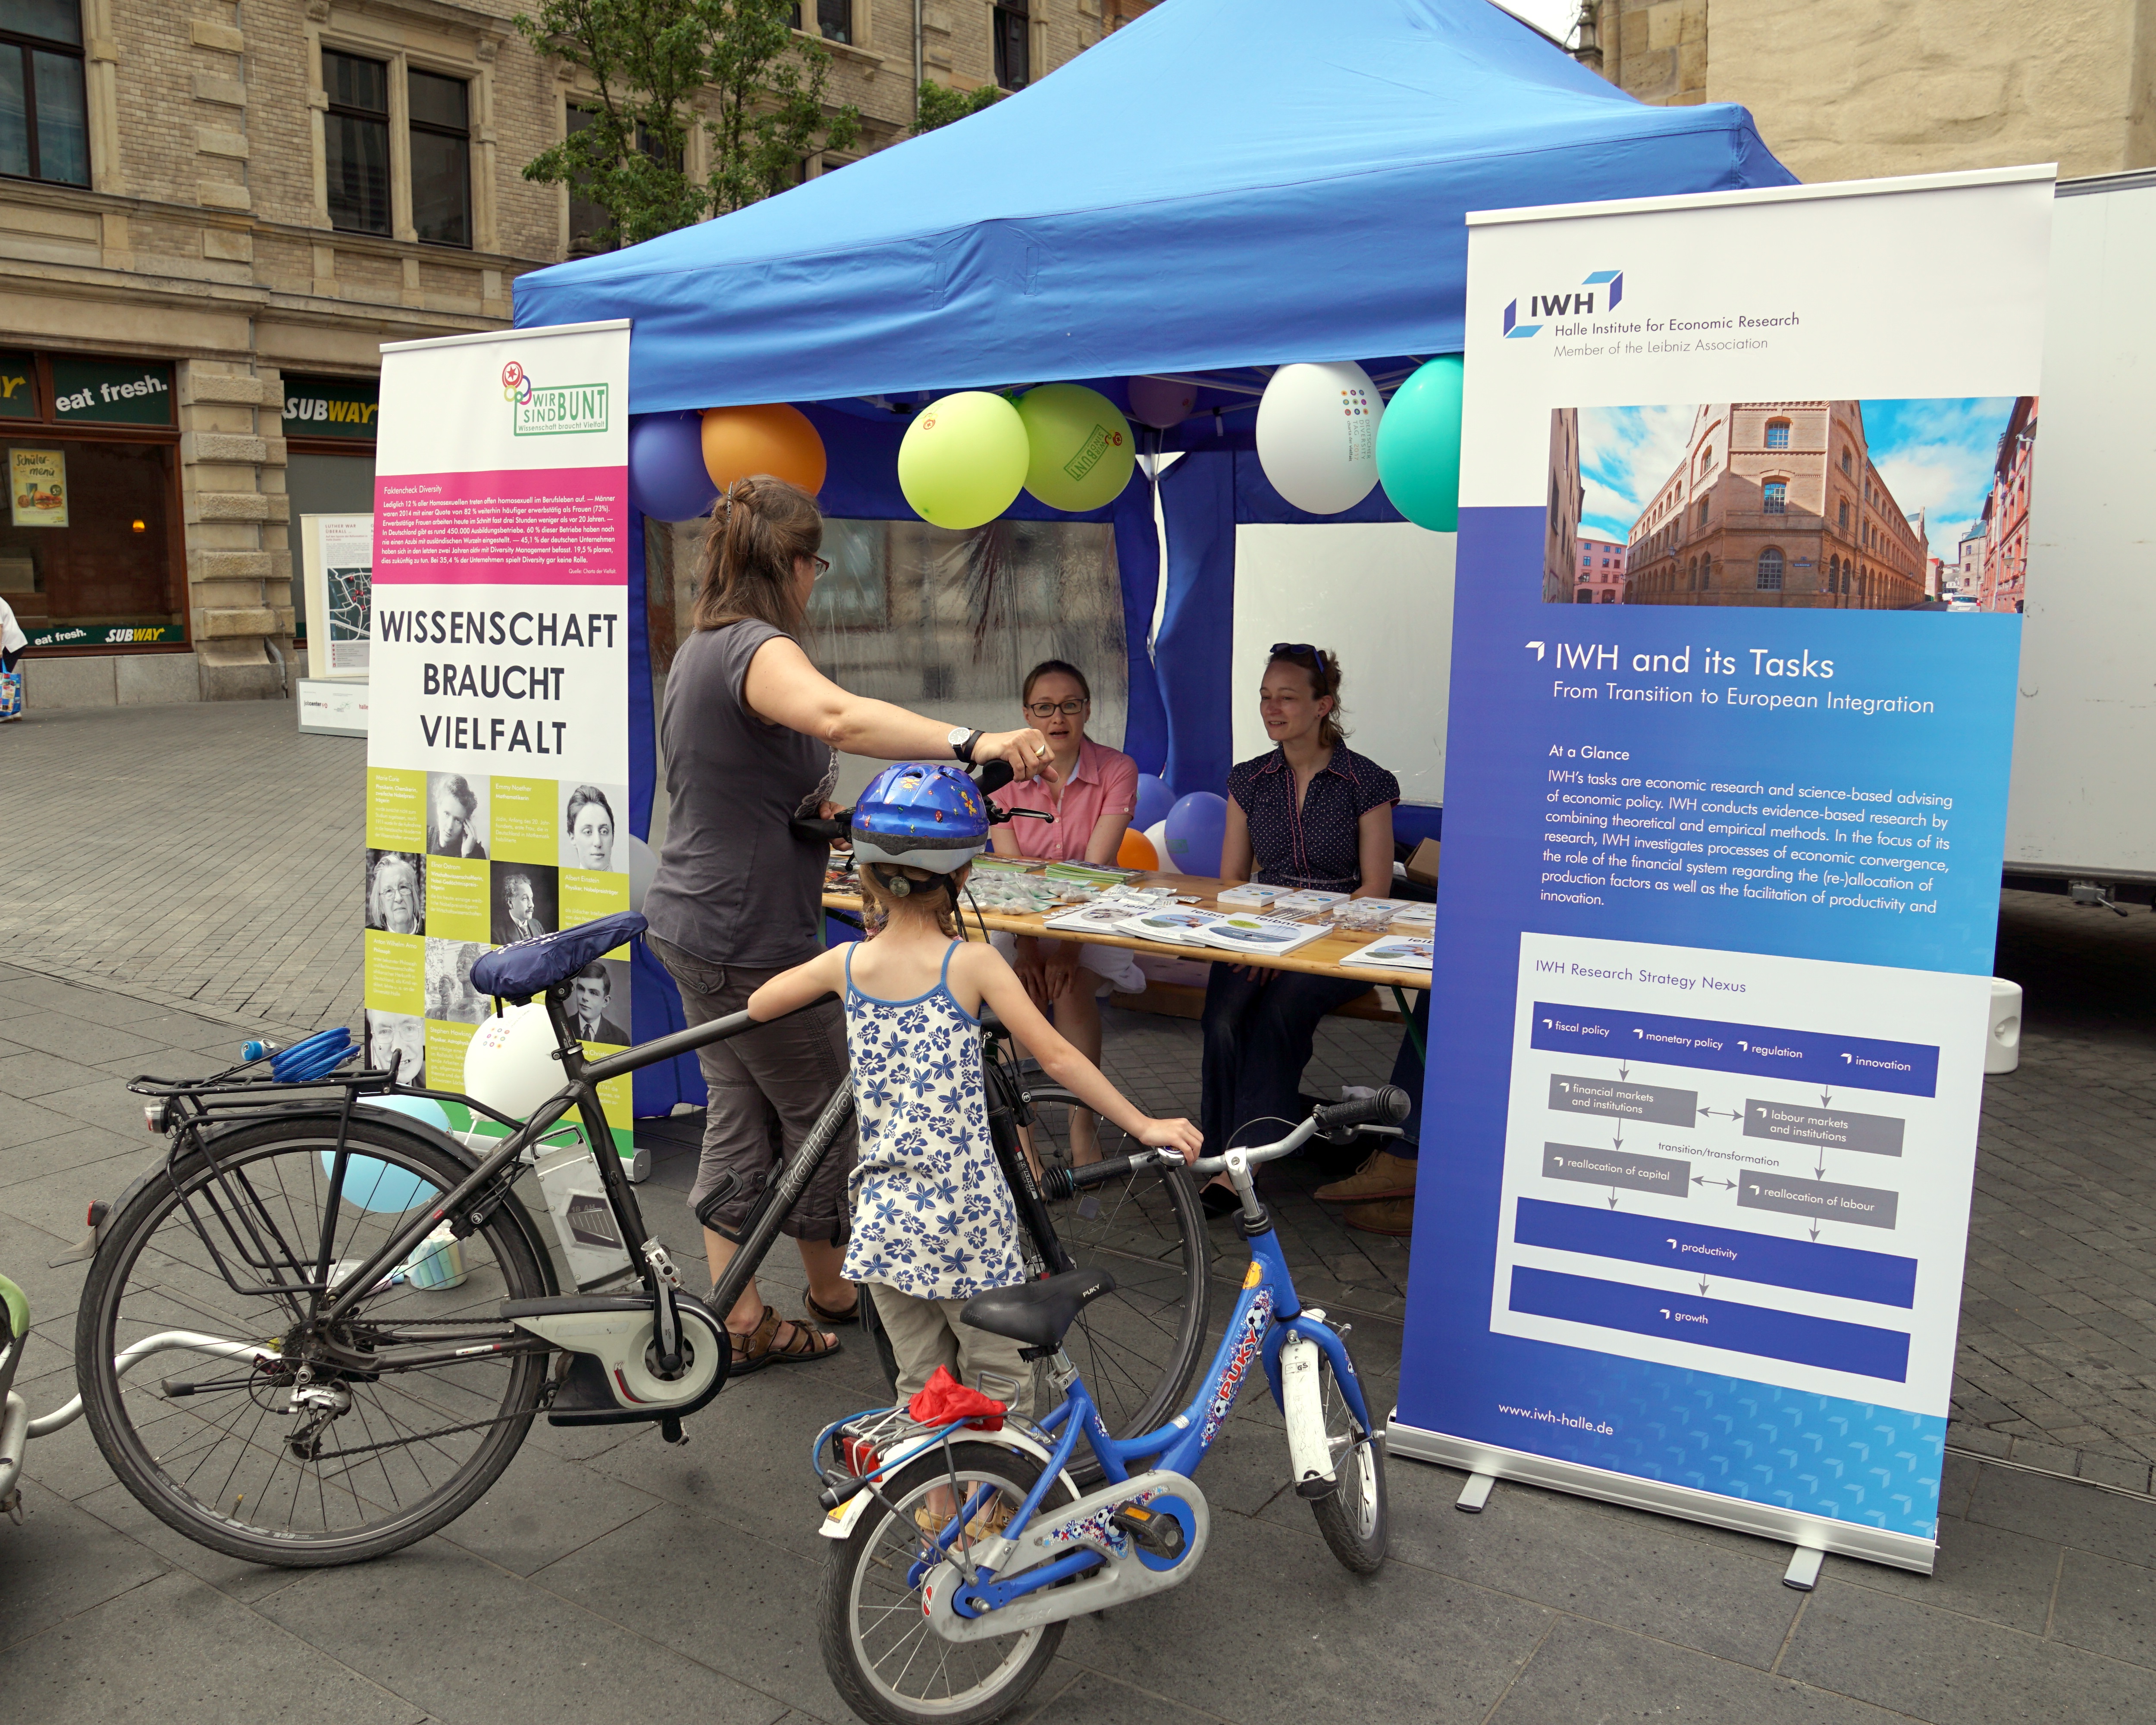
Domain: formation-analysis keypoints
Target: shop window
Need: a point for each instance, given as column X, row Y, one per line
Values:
column 1770, row 570
column 441, row 157
column 356, row 142
column 834, row 19
column 44, row 127
column 1777, row 434
column 1774, row 496
column 1013, row 28
column 92, row 547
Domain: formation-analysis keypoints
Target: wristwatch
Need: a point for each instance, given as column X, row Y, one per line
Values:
column 962, row 741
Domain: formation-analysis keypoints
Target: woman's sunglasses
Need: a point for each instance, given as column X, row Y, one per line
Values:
column 1298, row 649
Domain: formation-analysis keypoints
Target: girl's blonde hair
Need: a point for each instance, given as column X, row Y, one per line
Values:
column 880, row 904
column 758, row 526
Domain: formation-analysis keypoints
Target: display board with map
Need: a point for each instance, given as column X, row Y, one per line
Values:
column 340, row 576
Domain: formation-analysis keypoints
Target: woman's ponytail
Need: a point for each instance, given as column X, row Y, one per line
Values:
column 759, row 525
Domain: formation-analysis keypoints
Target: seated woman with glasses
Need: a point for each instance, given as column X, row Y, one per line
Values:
column 1095, row 791
column 1312, row 815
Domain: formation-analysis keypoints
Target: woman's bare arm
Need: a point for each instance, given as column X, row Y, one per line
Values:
column 1235, row 845
column 1373, row 842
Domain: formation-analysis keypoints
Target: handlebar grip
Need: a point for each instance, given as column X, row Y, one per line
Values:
column 1058, row 1183
column 1388, row 1106
column 993, row 775
column 823, row 832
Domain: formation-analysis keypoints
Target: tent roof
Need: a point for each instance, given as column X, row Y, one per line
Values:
column 1220, row 184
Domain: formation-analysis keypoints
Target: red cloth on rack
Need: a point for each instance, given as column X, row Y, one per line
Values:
column 943, row 1398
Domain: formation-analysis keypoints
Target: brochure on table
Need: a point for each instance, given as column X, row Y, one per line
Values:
column 1722, row 875
column 497, row 777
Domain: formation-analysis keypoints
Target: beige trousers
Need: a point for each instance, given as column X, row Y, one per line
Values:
column 928, row 1333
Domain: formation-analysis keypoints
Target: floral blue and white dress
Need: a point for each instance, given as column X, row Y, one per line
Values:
column 933, row 1217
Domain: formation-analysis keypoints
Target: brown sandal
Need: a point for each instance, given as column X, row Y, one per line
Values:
column 759, row 1346
column 834, row 1320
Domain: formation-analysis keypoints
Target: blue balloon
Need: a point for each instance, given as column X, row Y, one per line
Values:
column 373, row 1184
column 667, row 480
column 1155, row 799
column 1196, row 828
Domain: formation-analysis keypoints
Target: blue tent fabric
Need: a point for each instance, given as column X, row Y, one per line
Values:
column 1191, row 652
column 1220, row 184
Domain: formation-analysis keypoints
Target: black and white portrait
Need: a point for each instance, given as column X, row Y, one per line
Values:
column 401, row 1036
column 599, row 1003
column 456, row 815
column 450, row 996
column 526, row 901
column 591, row 831
column 396, row 891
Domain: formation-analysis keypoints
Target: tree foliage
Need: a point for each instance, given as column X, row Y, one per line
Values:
column 939, row 105
column 663, row 68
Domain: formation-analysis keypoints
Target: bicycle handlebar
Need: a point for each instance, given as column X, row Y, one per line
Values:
column 991, row 776
column 1388, row 1106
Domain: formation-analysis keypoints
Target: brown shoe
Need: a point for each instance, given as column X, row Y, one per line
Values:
column 1393, row 1216
column 1384, row 1175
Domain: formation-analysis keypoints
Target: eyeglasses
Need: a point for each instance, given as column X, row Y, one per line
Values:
column 1298, row 649
column 1050, row 709
column 822, row 566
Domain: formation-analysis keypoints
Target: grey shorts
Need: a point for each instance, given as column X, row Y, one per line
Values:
column 766, row 1087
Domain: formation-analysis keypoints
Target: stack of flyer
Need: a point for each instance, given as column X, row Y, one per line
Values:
column 1415, row 917
column 1307, row 904
column 1395, row 951
column 1246, row 932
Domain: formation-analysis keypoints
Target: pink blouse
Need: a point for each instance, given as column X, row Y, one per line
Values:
column 1105, row 781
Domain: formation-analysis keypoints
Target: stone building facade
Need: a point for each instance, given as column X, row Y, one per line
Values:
column 1845, row 89
column 1600, row 578
column 1776, row 504
column 222, row 208
column 1567, row 496
column 2005, row 520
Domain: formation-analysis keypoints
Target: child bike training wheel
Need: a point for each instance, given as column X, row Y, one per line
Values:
column 879, row 1648
column 319, row 1445
column 1353, row 1518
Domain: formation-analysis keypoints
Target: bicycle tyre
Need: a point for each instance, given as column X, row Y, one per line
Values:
column 180, row 1289
column 1353, row 1518
column 1140, row 1351
column 876, row 1555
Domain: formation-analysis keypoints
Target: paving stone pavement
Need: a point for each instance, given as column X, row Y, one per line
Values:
column 610, row 1577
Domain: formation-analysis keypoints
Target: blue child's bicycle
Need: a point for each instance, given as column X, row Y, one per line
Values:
column 962, row 1553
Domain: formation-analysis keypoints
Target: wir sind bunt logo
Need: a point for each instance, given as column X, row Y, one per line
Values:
column 544, row 410
column 1573, row 302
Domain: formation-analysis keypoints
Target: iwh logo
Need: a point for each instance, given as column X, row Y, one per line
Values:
column 1578, row 303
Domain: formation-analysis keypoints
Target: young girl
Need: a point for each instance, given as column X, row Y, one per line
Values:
column 932, row 1220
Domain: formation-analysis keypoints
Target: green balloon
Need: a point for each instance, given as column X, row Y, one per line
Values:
column 1082, row 449
column 962, row 460
column 1418, row 446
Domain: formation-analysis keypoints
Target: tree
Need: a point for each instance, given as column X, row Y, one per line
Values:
column 652, row 60
column 939, row 105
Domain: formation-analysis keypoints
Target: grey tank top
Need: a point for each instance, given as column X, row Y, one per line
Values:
column 734, row 885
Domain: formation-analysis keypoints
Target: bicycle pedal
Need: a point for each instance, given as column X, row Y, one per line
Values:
column 1160, row 1534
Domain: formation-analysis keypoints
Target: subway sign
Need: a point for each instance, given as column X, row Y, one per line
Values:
column 330, row 407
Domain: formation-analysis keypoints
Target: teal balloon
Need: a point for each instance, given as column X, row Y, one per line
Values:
column 372, row 1184
column 1418, row 446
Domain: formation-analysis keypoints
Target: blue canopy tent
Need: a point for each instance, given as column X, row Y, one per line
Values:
column 1221, row 187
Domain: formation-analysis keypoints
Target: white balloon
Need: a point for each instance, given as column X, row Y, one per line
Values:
column 1158, row 832
column 509, row 1064
column 1318, row 435
column 643, row 864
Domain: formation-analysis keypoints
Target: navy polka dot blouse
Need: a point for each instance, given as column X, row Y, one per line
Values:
column 1317, row 847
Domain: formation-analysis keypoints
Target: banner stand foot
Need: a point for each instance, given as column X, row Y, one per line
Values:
column 1803, row 1571
column 1476, row 1492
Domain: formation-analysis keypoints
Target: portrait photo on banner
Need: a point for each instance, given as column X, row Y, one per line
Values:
column 1862, row 506
column 590, row 828
column 526, row 901
column 450, row 996
column 457, row 816
column 399, row 1035
column 396, row 891
column 598, row 1006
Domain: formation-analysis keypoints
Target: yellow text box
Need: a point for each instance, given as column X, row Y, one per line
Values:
column 457, row 899
column 396, row 972
column 395, row 809
column 524, row 820
column 587, row 894
column 446, row 1042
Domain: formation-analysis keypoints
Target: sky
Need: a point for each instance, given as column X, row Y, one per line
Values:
column 1935, row 455
column 1553, row 17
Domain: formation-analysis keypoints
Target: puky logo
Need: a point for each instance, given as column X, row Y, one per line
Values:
column 537, row 410
column 1578, row 303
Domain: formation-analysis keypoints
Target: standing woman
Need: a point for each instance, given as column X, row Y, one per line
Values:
column 1312, row 815
column 750, row 731
column 13, row 641
column 1094, row 794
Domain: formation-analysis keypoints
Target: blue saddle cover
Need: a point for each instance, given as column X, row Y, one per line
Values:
column 524, row 968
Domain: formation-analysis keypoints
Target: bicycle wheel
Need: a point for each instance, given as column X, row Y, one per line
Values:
column 1353, row 1517
column 879, row 1648
column 1140, row 1348
column 300, row 1455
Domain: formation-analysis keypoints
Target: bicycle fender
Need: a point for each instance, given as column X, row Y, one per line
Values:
column 840, row 1524
column 1309, row 1457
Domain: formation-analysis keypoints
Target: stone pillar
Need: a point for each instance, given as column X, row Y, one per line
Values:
column 232, row 485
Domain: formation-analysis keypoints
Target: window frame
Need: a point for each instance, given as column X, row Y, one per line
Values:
column 332, row 109
column 455, row 51
column 1774, row 496
column 1010, row 22
column 1773, row 426
column 1760, row 584
column 434, row 129
column 28, row 46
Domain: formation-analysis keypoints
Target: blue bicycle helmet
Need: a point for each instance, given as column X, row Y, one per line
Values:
column 921, row 817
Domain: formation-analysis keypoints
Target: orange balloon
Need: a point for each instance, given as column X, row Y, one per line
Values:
column 1137, row 852
column 775, row 439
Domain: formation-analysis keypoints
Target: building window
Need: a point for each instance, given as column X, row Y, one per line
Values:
column 356, row 142
column 441, row 157
column 1774, row 496
column 835, row 20
column 1770, row 570
column 1777, row 434
column 1705, row 459
column 1844, row 461
column 1842, row 517
column 1608, row 598
column 44, row 128
column 1014, row 39
column 1702, row 512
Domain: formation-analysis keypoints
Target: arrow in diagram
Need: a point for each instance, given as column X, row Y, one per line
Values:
column 1624, row 1069
column 1815, row 1230
column 1725, row 1185
column 1663, row 1310
column 1825, row 1096
column 1703, row 1284
column 1613, row 1198
column 1727, row 1113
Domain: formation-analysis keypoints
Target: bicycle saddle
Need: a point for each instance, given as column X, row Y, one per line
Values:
column 1037, row 1312
column 523, row 969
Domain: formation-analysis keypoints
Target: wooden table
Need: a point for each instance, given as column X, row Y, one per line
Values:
column 1319, row 957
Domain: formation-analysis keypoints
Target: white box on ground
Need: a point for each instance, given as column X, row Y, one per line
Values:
column 333, row 707
column 2002, row 1047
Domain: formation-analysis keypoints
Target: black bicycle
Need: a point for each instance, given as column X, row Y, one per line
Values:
column 378, row 1319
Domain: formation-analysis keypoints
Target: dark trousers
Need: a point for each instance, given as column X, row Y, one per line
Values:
column 8, row 661
column 1408, row 1074
column 1258, row 1031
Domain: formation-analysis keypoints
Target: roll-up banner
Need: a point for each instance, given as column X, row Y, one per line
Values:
column 497, row 775
column 1723, row 830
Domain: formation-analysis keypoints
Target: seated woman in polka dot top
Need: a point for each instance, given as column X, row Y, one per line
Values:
column 1314, row 815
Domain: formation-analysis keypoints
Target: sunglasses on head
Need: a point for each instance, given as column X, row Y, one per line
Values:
column 1297, row 650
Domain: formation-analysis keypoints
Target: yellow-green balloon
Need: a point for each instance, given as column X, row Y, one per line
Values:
column 962, row 461
column 1082, row 449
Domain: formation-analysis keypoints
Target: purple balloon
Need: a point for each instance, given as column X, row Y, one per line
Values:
column 1155, row 799
column 666, row 477
column 1197, row 826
